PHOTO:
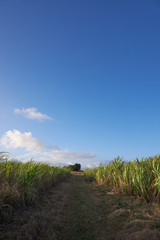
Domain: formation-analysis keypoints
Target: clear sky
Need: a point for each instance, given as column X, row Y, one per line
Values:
column 80, row 79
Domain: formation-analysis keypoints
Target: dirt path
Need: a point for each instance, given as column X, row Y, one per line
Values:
column 80, row 210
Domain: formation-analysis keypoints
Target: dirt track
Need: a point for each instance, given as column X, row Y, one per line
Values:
column 77, row 209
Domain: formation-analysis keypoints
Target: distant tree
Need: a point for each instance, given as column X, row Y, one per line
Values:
column 76, row 167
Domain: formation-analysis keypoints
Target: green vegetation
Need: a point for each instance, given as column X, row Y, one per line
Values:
column 76, row 210
column 140, row 178
column 21, row 184
column 76, row 167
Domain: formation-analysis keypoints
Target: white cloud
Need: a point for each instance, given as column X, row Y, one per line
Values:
column 93, row 165
column 15, row 139
column 32, row 113
column 41, row 153
column 62, row 157
column 68, row 156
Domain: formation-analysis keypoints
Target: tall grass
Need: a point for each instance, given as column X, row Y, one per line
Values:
column 22, row 184
column 140, row 178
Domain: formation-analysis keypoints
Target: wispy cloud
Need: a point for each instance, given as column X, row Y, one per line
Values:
column 15, row 139
column 62, row 157
column 39, row 151
column 68, row 156
column 32, row 113
column 93, row 165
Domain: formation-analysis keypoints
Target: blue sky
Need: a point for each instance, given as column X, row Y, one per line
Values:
column 91, row 66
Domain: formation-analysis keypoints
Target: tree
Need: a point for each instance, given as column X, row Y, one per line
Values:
column 76, row 167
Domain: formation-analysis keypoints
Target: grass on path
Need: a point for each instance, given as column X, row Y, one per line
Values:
column 81, row 210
